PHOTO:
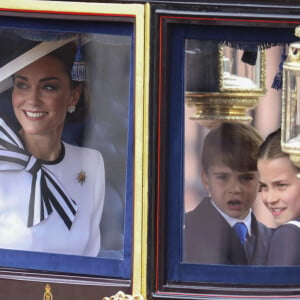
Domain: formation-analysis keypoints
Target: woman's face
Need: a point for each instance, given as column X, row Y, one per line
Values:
column 280, row 188
column 41, row 95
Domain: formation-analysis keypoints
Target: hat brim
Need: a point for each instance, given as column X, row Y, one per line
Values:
column 36, row 52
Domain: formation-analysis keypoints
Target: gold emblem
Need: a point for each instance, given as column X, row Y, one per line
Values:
column 48, row 295
column 81, row 177
column 122, row 296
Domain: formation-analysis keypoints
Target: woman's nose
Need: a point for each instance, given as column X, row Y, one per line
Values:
column 34, row 95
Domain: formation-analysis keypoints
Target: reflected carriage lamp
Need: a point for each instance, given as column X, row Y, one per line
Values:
column 290, row 138
column 229, row 89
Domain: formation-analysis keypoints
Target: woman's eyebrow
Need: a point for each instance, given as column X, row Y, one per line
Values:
column 41, row 80
column 49, row 78
column 21, row 77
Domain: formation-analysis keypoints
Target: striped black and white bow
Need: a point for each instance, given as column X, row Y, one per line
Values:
column 46, row 192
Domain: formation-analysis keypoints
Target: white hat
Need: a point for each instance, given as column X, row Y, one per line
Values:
column 28, row 57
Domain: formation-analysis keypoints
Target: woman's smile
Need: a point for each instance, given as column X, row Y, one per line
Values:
column 41, row 96
column 35, row 114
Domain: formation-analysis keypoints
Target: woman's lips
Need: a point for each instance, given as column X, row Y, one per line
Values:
column 34, row 114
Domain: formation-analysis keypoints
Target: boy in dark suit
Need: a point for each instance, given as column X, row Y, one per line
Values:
column 231, row 178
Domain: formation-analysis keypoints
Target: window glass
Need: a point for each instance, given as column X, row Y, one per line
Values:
column 93, row 168
column 221, row 66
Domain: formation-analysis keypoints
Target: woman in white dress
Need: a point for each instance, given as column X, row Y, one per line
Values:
column 51, row 192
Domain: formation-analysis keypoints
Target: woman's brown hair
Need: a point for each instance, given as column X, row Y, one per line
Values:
column 66, row 54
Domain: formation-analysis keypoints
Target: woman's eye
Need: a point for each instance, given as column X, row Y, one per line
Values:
column 50, row 87
column 21, row 85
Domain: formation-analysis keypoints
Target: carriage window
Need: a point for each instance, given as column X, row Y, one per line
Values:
column 216, row 77
column 233, row 86
column 66, row 134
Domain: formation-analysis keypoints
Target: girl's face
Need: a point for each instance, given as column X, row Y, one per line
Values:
column 280, row 188
column 41, row 95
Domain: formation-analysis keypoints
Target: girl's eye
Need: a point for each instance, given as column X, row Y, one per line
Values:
column 281, row 185
column 262, row 187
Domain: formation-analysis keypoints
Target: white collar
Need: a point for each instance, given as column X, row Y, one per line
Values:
column 232, row 221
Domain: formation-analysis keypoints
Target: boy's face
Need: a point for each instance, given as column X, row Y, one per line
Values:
column 233, row 192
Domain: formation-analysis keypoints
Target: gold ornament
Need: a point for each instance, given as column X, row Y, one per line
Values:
column 48, row 295
column 122, row 296
column 81, row 177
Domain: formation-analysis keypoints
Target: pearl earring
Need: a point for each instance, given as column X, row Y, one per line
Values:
column 71, row 109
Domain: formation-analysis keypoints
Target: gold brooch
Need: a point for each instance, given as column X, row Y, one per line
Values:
column 81, row 177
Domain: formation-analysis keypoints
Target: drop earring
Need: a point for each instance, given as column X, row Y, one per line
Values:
column 79, row 72
column 71, row 109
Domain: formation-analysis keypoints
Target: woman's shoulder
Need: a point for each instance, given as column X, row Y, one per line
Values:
column 85, row 153
column 80, row 149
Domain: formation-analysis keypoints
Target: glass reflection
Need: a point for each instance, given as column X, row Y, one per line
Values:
column 236, row 73
column 244, row 77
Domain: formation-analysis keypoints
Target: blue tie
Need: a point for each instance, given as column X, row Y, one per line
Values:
column 241, row 230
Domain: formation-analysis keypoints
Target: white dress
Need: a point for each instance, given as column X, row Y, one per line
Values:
column 52, row 234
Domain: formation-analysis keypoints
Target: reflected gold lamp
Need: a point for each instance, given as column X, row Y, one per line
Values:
column 290, row 138
column 233, row 87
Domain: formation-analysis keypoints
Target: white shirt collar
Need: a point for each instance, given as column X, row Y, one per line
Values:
column 232, row 221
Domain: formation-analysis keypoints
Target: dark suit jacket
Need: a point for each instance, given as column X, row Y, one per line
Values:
column 284, row 247
column 209, row 239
